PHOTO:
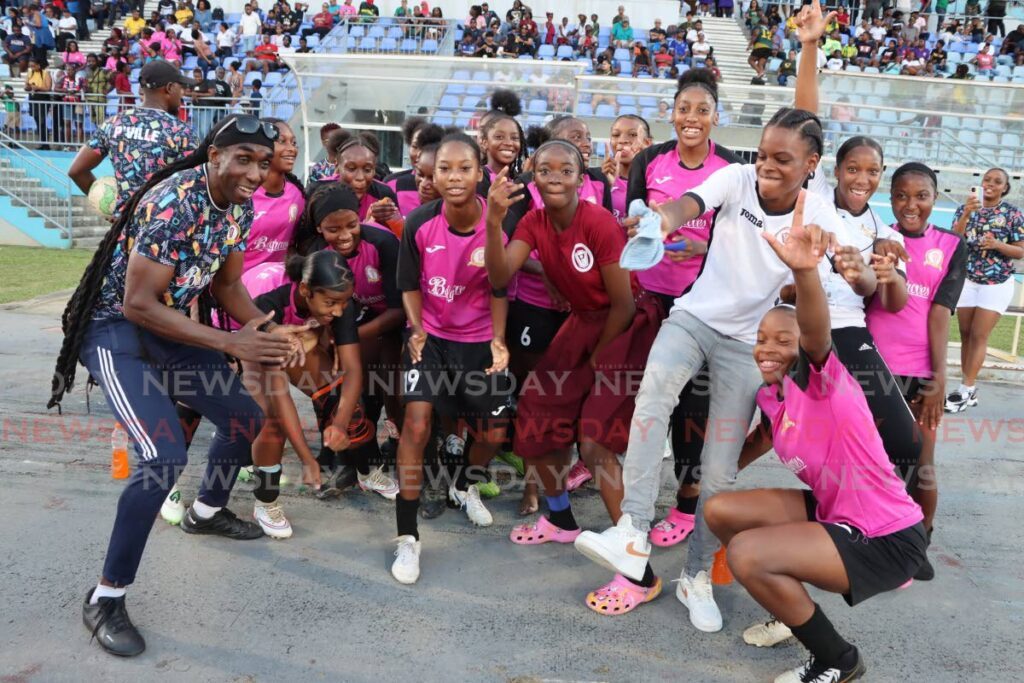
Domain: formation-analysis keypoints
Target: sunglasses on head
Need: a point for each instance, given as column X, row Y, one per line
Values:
column 250, row 125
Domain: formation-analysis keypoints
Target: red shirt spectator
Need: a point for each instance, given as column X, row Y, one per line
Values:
column 266, row 51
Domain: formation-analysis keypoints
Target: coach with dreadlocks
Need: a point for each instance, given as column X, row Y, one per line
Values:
column 128, row 323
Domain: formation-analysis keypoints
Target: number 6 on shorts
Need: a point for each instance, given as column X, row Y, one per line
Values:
column 524, row 338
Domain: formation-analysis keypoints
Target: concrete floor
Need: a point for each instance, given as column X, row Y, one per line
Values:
column 323, row 606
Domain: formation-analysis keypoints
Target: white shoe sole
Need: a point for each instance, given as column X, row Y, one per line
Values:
column 389, row 495
column 756, row 643
column 592, row 546
column 276, row 534
column 172, row 518
column 405, row 581
column 706, row 628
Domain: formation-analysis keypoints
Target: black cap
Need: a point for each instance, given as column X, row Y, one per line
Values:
column 159, row 73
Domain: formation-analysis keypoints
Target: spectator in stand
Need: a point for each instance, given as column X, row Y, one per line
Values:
column 42, row 35
column 962, row 73
column 226, row 40
column 787, row 69
column 66, row 117
column 38, row 85
column 641, row 60
column 723, row 8
column 134, row 24
column 237, row 82
column 550, row 31
column 515, row 14
column 303, row 48
column 96, row 82
column 17, row 51
column 835, row 62
column 166, row 8
column 996, row 11
column 205, row 57
column 116, row 39
column 977, row 31
column 323, row 22
column 711, row 65
column 622, row 34
column 522, row 43
column 657, row 36
column 265, row 57
column 700, row 50
column 695, row 28
column 587, row 46
column 488, row 48
column 170, row 47
column 255, row 103
column 204, row 15
column 251, row 28
column 878, row 31
column 832, row 43
column 67, row 29
column 866, row 47
column 664, row 61
column 527, row 22
column 679, row 47
column 567, row 34
column 114, row 60
column 751, row 18
column 888, row 55
column 123, row 85
column 184, row 14
column 984, row 60
column 938, row 56
column 488, row 14
column 368, row 11
column 605, row 64
column 467, row 47
column 664, row 113
column 760, row 47
column 620, row 18
column 71, row 54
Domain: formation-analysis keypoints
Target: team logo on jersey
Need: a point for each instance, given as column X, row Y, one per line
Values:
column 868, row 232
column 293, row 213
column 258, row 215
column 433, row 248
column 782, row 235
column 933, row 258
column 752, row 218
column 796, row 465
column 582, row 257
column 372, row 274
column 786, row 423
column 476, row 259
column 662, row 180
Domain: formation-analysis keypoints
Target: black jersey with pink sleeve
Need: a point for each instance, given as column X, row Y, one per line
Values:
column 405, row 190
column 935, row 275
column 448, row 268
column 529, row 288
column 657, row 174
column 573, row 259
column 281, row 300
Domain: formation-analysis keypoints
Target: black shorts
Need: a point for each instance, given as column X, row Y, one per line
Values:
column 451, row 376
column 762, row 53
column 874, row 565
column 910, row 386
column 531, row 328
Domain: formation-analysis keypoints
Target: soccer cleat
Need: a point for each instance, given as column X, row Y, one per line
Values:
column 110, row 625
column 173, row 510
column 513, row 461
column 768, row 634
column 623, row 548
column 578, row 476
column 224, row 523
column 957, row 402
column 812, row 672
column 697, row 595
column 271, row 519
column 342, row 478
column 379, row 482
column 469, row 500
column 406, row 567
column 454, row 446
column 433, row 500
column 489, row 489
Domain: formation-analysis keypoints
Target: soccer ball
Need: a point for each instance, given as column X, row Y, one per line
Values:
column 103, row 195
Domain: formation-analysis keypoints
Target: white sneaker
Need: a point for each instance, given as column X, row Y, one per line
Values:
column 172, row 510
column 470, row 501
column 813, row 672
column 378, row 482
column 454, row 445
column 272, row 520
column 622, row 548
column 696, row 594
column 768, row 634
column 406, row 567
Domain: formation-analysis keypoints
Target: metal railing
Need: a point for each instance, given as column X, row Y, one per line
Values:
column 34, row 190
column 393, row 36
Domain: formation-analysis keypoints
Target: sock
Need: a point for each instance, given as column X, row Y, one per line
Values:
column 405, row 514
column 361, row 457
column 204, row 511
column 268, row 483
column 105, row 592
column 326, row 459
column 820, row 637
column 686, row 505
column 560, row 512
column 471, row 474
column 648, row 579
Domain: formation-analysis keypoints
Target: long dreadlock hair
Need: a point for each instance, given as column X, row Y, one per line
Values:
column 78, row 312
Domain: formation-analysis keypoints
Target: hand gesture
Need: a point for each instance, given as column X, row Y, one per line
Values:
column 884, row 267
column 988, row 241
column 810, row 24
column 502, row 195
column 417, row 339
column 311, row 473
column 804, row 246
column 892, row 248
column 383, row 210
column 972, row 204
column 849, row 263
column 612, row 167
column 336, row 438
column 269, row 348
column 499, row 357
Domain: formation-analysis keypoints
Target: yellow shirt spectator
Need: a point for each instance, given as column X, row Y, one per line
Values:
column 133, row 27
column 183, row 16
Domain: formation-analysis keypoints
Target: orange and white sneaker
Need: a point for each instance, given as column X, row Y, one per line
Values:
column 623, row 548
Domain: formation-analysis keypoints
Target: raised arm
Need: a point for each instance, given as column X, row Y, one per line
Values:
column 502, row 262
column 810, row 27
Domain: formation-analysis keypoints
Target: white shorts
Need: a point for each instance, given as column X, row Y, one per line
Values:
column 990, row 297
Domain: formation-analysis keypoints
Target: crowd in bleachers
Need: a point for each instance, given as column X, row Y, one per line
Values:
column 883, row 39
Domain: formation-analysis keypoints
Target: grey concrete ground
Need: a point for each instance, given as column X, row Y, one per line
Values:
column 323, row 606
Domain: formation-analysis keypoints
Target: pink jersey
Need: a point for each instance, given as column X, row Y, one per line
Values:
column 276, row 216
column 258, row 280
column 658, row 175
column 404, row 187
column 529, row 288
column 448, row 268
column 374, row 265
column 935, row 275
column 823, row 431
column 619, row 205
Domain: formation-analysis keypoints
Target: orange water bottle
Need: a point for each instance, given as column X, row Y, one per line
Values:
column 119, row 468
column 720, row 573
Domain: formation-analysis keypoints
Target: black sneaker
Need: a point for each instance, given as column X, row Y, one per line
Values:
column 342, row 478
column 224, row 523
column 433, row 500
column 813, row 672
column 109, row 624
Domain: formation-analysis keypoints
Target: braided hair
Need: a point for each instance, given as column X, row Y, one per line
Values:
column 805, row 123
column 78, row 312
column 494, row 117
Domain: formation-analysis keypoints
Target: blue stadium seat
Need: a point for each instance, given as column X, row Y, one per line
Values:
column 429, row 46
column 537, row 106
column 649, row 112
column 285, row 111
column 972, row 48
column 957, row 47
column 408, row 45
column 388, row 45
column 252, row 76
column 313, row 40
column 476, row 90
column 630, row 110
column 272, row 79
column 971, row 123
column 461, row 75
column 1003, row 70
column 357, row 31
column 1018, row 71
column 395, row 32
column 564, row 51
column 190, row 63
column 443, row 118
column 622, row 55
column 462, row 121
column 1011, row 140
column 351, row 42
column 546, row 52
column 953, row 57
column 988, row 138
column 376, row 32
column 481, row 76
column 455, row 89
column 450, row 102
column 647, row 102
column 368, row 44
column 605, row 111
column 628, row 100
column 584, row 109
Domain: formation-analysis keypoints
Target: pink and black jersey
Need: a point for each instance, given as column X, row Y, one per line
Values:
column 276, row 216
column 404, row 187
column 935, row 275
column 393, row 179
column 271, row 290
column 529, row 288
column 573, row 259
column 619, row 204
column 823, row 431
column 375, row 266
column 448, row 268
column 658, row 175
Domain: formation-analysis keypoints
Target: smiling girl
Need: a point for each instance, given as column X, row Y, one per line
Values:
column 278, row 203
column 630, row 135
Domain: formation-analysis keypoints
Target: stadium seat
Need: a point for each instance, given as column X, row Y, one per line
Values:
column 537, row 106
column 481, row 76
column 546, row 52
column 408, row 45
column 368, row 44
column 584, row 109
column 478, row 90
column 971, row 123
column 972, row 48
column 351, row 42
column 967, row 137
column 951, row 122
column 455, row 89
column 628, row 110
column 429, row 46
column 461, row 75
column 1018, row 71
column 953, row 57
column 564, row 51
column 647, row 102
column 450, row 102
column 190, row 63
column 357, row 31
column 1011, row 140
column 252, row 76
column 462, row 121
column 957, row 47
column 313, row 40
column 376, row 32
column 988, row 138
column 443, row 118
column 272, row 79
column 622, row 55
column 388, row 45
column 395, row 32
column 605, row 111
column 285, row 111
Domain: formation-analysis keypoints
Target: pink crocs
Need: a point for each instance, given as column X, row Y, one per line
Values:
column 673, row 529
column 542, row 531
column 620, row 595
column 578, row 476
